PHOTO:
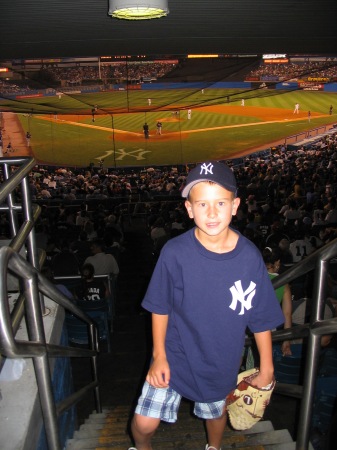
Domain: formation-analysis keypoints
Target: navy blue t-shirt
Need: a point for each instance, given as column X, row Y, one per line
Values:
column 210, row 299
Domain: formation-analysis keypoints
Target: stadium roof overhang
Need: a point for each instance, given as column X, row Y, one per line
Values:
column 68, row 28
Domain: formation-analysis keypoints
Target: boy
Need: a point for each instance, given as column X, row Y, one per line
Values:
column 209, row 284
column 92, row 289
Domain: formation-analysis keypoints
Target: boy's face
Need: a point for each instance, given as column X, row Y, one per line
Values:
column 212, row 207
column 86, row 273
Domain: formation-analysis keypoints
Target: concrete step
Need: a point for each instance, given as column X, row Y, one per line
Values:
column 94, row 429
column 109, row 430
column 185, row 440
column 260, row 439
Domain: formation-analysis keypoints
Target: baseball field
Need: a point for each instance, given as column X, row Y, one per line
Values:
column 64, row 129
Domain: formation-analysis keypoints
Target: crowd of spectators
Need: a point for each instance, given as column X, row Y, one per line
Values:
column 291, row 70
column 11, row 88
column 118, row 72
column 81, row 75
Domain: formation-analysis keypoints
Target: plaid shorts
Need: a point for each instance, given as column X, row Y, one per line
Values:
column 163, row 404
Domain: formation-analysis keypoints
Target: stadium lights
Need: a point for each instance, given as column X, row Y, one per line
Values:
column 138, row 9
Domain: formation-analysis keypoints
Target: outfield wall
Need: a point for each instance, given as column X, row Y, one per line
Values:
column 307, row 86
column 329, row 87
column 197, row 85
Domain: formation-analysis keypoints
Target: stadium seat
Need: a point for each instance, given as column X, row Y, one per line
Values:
column 78, row 331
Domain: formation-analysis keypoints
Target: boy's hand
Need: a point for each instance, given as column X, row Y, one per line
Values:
column 262, row 380
column 159, row 373
column 286, row 348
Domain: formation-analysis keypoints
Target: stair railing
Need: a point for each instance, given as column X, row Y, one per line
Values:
column 318, row 262
column 32, row 286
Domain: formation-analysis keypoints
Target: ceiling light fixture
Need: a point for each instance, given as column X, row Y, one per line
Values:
column 138, row 9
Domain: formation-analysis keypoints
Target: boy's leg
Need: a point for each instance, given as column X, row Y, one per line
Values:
column 142, row 429
column 215, row 429
column 154, row 405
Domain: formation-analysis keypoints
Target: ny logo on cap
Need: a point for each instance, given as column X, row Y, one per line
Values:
column 206, row 168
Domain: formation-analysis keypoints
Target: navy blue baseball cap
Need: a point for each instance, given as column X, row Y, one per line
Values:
column 215, row 171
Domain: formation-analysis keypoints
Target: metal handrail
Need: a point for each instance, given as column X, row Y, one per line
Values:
column 32, row 286
column 325, row 253
column 37, row 348
column 317, row 261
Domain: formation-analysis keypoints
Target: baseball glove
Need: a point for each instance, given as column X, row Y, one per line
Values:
column 246, row 404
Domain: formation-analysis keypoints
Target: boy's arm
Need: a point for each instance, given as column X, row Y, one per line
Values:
column 264, row 346
column 159, row 372
column 106, row 290
column 287, row 311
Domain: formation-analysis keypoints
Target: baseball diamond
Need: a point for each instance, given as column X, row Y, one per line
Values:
column 218, row 130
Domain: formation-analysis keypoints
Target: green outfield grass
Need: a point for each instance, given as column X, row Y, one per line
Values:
column 116, row 137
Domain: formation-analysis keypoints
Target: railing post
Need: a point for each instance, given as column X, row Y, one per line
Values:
column 32, row 247
column 36, row 333
column 13, row 219
column 312, row 358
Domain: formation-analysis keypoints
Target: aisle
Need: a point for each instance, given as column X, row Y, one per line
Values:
column 121, row 372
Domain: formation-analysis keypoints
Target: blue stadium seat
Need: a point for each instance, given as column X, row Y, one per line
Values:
column 98, row 311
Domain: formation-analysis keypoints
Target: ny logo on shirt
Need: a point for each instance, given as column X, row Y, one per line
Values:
column 241, row 296
column 206, row 168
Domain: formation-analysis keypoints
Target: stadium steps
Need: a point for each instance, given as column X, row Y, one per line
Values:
column 109, row 430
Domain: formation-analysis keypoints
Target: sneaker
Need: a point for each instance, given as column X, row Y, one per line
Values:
column 132, row 448
column 210, row 447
